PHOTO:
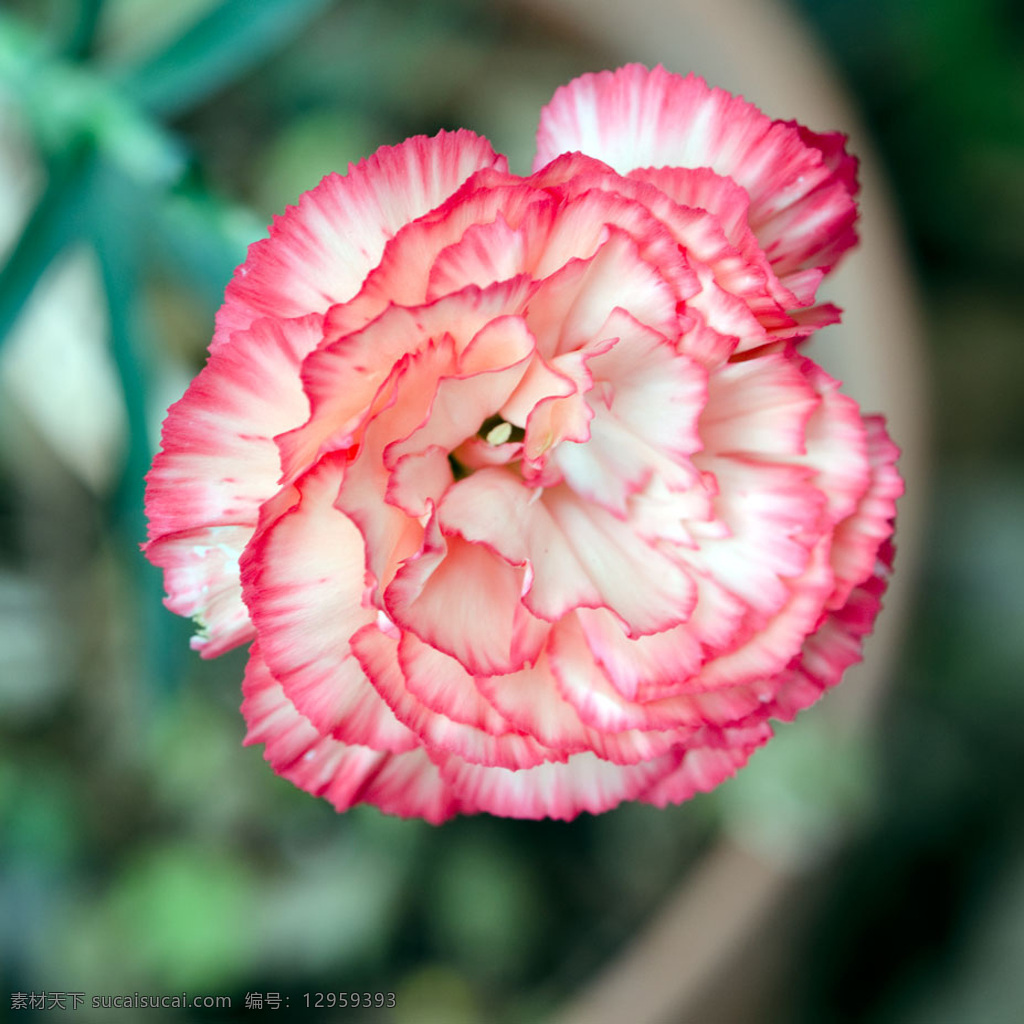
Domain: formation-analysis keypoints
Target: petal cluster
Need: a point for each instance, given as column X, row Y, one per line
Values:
column 520, row 488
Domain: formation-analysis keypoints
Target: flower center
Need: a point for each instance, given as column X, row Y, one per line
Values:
column 494, row 430
column 496, row 443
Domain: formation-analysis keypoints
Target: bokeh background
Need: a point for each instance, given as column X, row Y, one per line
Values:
column 143, row 145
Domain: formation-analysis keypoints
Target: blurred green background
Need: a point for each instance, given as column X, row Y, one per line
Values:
column 143, row 145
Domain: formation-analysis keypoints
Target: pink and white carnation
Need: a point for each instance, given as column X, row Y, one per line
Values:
column 520, row 488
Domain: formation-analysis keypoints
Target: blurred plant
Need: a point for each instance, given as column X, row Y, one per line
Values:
column 941, row 85
column 118, row 180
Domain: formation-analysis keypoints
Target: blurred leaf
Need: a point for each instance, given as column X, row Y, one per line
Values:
column 221, row 45
column 203, row 239
column 436, row 995
column 41, row 828
column 119, row 247
column 119, row 239
column 81, row 28
column 31, row 655
column 641, row 849
column 68, row 107
column 39, row 844
column 60, row 218
column 309, row 147
column 179, row 916
column 985, row 982
column 21, row 51
column 484, row 910
column 194, row 743
column 335, row 905
column 798, row 795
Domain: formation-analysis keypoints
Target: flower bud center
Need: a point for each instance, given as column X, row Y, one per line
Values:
column 499, row 434
column 495, row 431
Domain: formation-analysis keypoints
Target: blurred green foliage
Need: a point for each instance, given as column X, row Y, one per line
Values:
column 142, row 849
column 923, row 919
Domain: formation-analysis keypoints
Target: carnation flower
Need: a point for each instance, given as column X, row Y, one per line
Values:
column 520, row 488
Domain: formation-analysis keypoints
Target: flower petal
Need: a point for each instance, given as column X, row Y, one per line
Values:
column 600, row 705
column 487, row 739
column 303, row 581
column 680, row 199
column 773, row 514
column 408, row 784
column 530, row 700
column 492, row 251
column 700, row 770
column 727, row 206
column 573, row 304
column 857, row 538
column 346, row 380
column 584, row 783
column 219, row 462
column 464, row 600
column 830, row 650
column 578, row 555
column 320, row 251
column 758, row 406
column 201, row 576
column 404, row 275
column 836, row 444
column 217, row 466
column 771, row 643
column 435, row 399
column 801, row 204
column 646, row 423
